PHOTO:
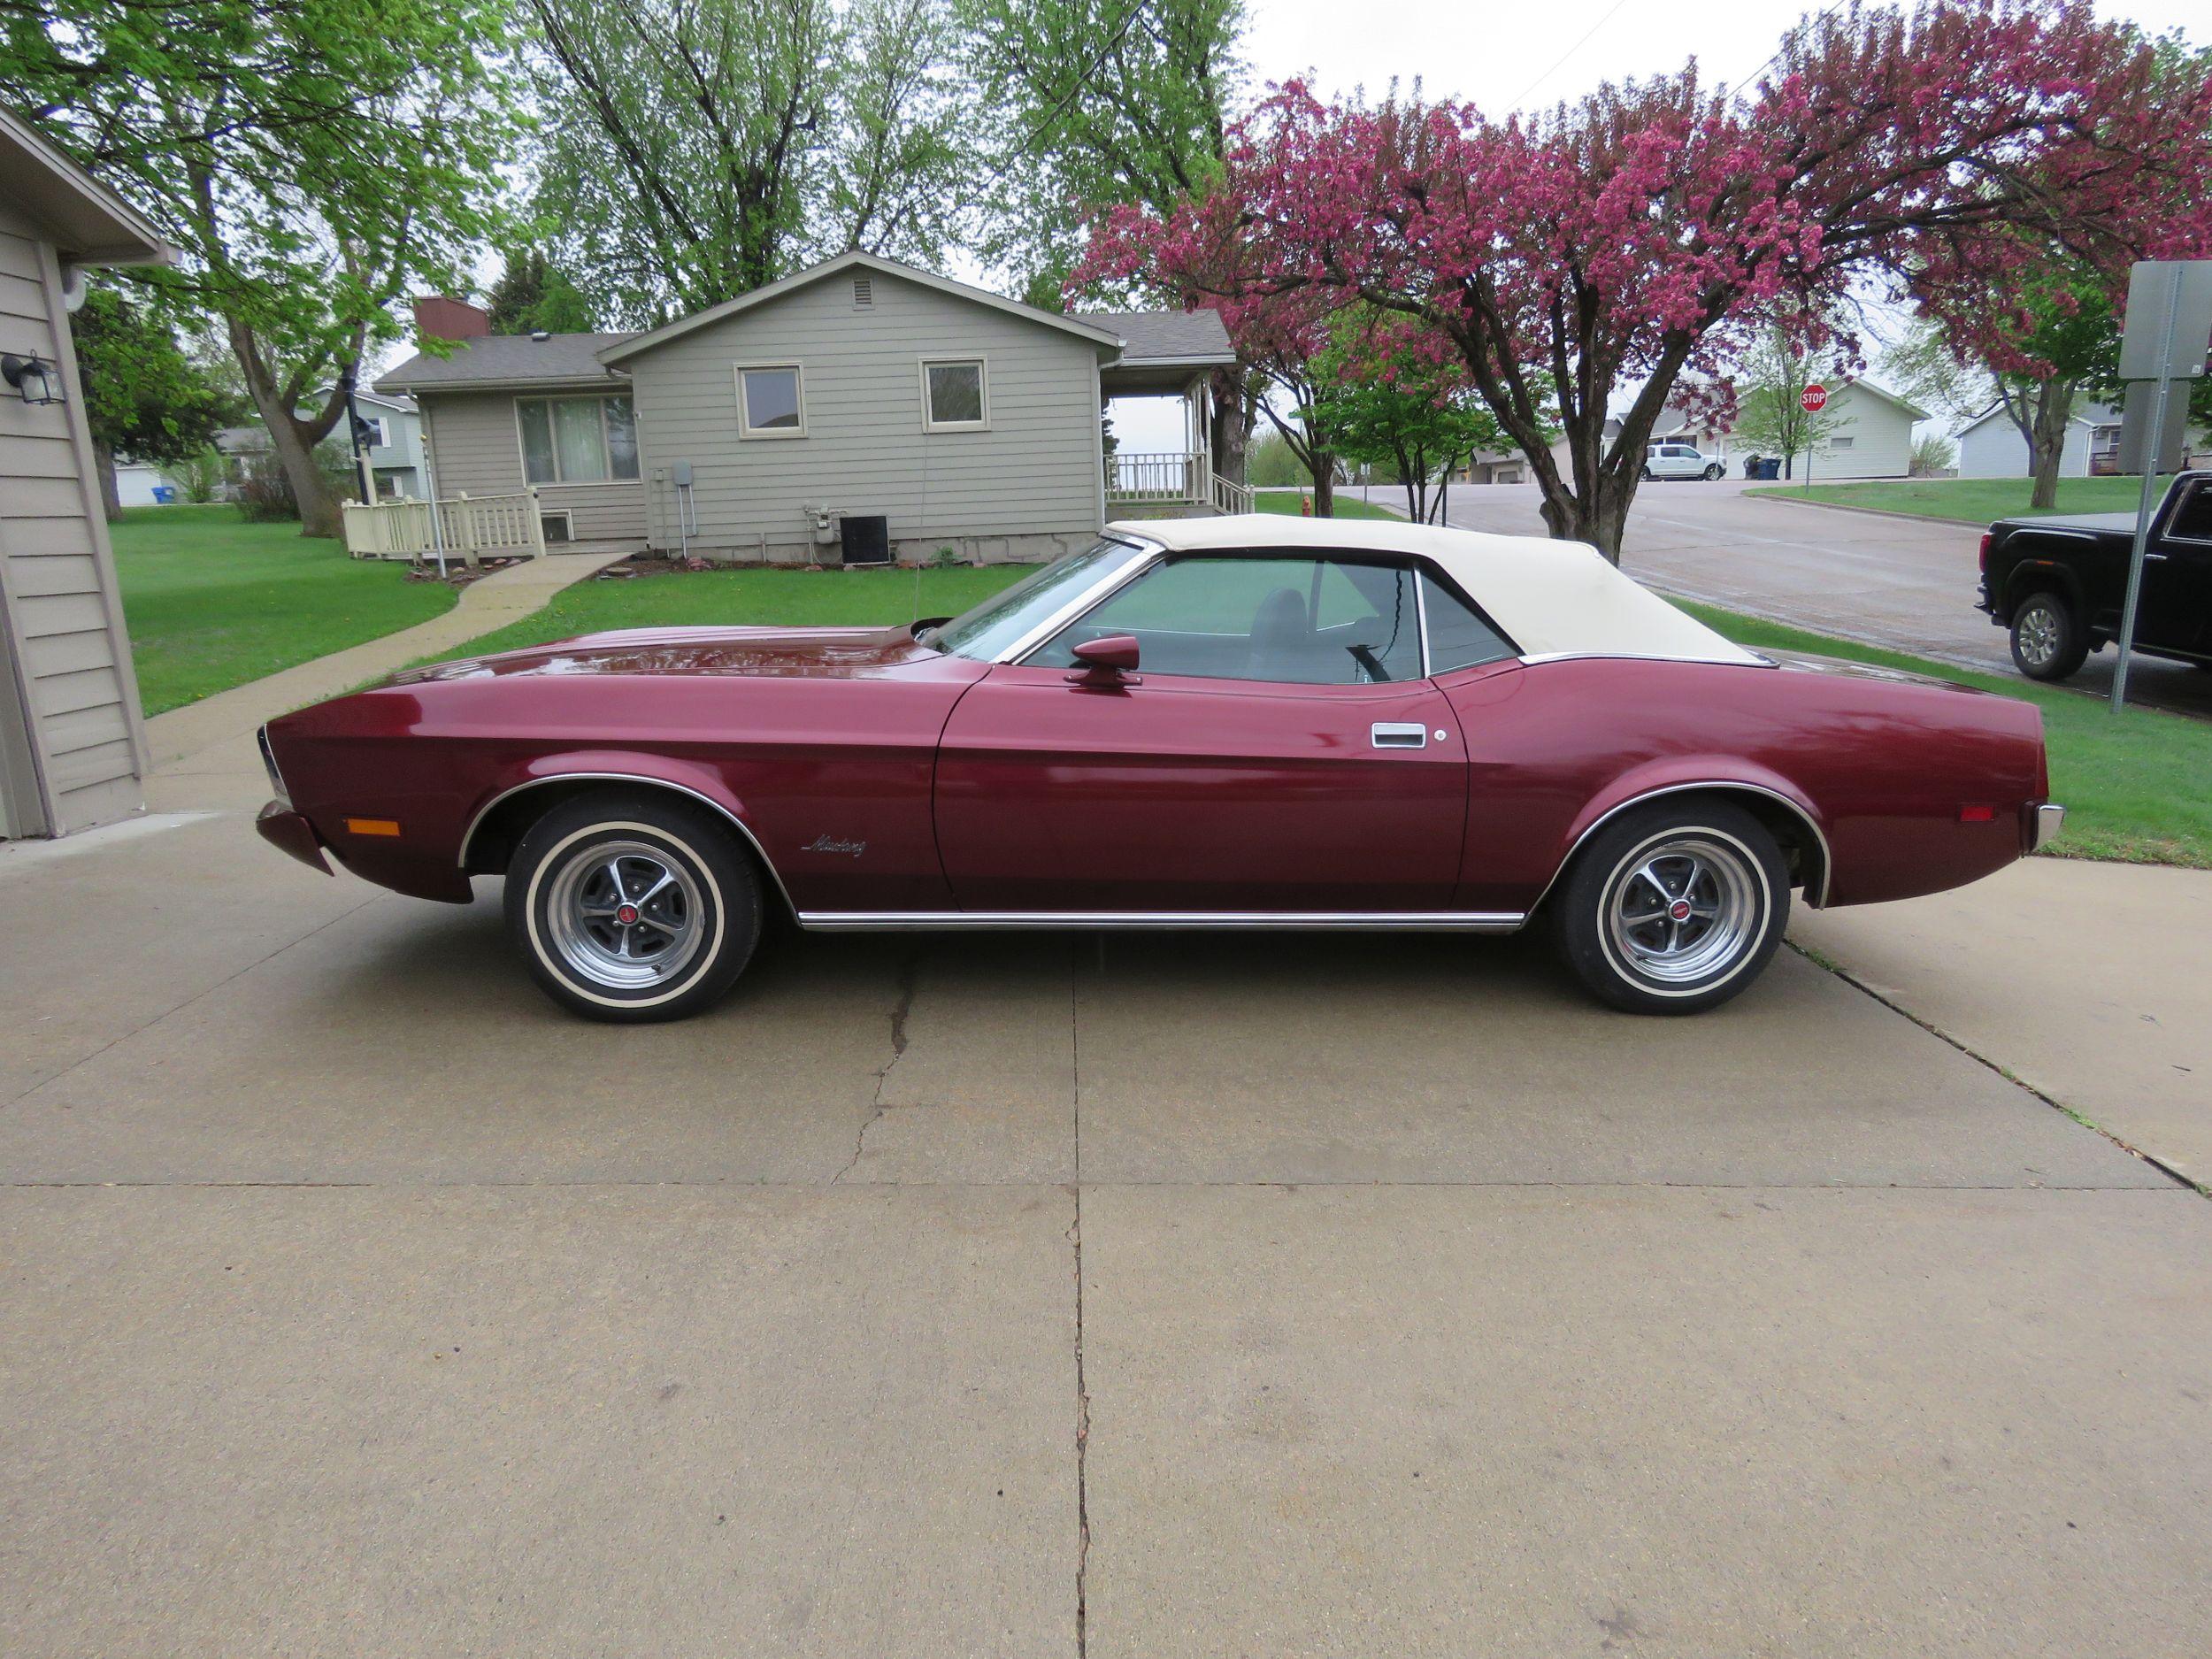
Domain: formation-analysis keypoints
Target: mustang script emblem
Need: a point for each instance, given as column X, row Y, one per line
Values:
column 831, row 844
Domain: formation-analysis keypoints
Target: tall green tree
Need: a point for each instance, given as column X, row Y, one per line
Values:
column 694, row 149
column 532, row 293
column 1772, row 420
column 314, row 159
column 144, row 397
column 1394, row 397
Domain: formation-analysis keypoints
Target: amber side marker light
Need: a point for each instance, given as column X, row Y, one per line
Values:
column 373, row 826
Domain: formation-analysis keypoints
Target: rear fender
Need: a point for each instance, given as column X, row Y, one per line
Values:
column 1765, row 792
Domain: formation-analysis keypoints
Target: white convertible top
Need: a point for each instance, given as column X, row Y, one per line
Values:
column 1552, row 598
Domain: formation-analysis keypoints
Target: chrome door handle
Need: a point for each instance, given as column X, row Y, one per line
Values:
column 1398, row 734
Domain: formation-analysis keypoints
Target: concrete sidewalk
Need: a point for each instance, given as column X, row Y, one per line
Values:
column 2092, row 983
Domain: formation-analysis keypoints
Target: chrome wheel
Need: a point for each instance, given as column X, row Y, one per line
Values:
column 624, row 914
column 2038, row 632
column 1682, row 909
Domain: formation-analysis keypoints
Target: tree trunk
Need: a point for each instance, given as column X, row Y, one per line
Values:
column 293, row 439
column 1321, row 466
column 1598, row 520
column 2047, row 440
column 111, row 493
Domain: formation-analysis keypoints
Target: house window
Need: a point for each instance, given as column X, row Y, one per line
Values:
column 577, row 440
column 955, row 397
column 557, row 527
column 770, row 401
column 1842, row 443
column 372, row 433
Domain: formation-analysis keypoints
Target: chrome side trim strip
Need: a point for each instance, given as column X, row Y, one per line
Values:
column 721, row 812
column 1537, row 658
column 1827, row 862
column 1133, row 921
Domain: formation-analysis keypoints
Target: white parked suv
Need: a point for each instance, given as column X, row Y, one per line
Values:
column 1678, row 460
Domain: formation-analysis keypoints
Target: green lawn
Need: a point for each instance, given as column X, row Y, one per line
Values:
column 212, row 602
column 1967, row 500
column 2137, row 787
column 1286, row 501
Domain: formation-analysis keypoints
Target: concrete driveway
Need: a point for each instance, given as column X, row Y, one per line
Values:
column 1906, row 583
column 1027, row 1295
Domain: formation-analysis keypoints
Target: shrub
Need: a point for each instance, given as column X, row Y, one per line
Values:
column 1934, row 456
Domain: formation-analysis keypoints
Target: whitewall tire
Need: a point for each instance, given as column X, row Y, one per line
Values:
column 632, row 906
column 1672, row 909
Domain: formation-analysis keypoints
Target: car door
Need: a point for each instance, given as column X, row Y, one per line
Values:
column 1278, row 749
column 2175, row 612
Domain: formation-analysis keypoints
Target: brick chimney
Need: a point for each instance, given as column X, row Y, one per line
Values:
column 447, row 319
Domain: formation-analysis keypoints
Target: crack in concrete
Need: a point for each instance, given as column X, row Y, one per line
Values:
column 1082, row 1386
column 909, row 975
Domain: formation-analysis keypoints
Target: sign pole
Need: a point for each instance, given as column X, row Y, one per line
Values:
column 1812, row 400
column 2153, row 443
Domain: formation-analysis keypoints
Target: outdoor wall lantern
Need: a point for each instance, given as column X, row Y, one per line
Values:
column 35, row 381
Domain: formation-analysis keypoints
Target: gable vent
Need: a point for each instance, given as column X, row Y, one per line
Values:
column 863, row 293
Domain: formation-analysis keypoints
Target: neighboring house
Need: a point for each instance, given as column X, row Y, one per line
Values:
column 1990, row 445
column 1869, row 436
column 859, row 388
column 135, row 482
column 73, row 747
column 395, row 447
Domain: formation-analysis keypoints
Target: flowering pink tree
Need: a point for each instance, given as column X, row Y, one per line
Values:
column 1653, row 228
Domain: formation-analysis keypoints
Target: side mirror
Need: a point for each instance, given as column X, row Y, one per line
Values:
column 1109, row 660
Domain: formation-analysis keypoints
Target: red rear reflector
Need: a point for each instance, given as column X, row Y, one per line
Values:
column 1978, row 815
column 373, row 826
column 1987, row 537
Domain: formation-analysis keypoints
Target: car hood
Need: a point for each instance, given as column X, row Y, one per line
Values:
column 762, row 653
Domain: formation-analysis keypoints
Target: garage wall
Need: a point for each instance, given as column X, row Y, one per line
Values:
column 72, row 746
column 1995, row 449
column 1881, row 438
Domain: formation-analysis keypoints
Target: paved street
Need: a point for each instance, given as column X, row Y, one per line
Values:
column 1026, row 1295
column 1906, row 583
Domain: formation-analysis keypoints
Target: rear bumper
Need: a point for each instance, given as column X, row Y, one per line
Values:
column 288, row 833
column 2044, row 823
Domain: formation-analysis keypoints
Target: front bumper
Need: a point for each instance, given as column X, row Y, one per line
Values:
column 2044, row 823
column 288, row 833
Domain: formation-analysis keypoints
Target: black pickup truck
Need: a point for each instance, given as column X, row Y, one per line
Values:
column 2059, row 583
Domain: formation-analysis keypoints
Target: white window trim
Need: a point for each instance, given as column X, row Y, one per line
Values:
column 522, row 449
column 983, row 375
column 565, row 515
column 745, row 428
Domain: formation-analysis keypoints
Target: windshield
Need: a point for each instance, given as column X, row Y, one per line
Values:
column 986, row 632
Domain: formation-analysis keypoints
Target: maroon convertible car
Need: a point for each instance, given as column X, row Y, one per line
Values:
column 1243, row 722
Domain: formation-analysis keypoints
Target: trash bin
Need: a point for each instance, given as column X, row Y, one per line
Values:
column 165, row 495
column 867, row 538
column 1770, row 469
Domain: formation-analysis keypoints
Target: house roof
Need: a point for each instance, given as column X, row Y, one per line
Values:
column 1167, row 337
column 623, row 350
column 88, row 222
column 2105, row 415
column 1887, row 396
column 493, row 363
column 1552, row 598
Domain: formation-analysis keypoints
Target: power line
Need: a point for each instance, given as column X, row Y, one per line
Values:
column 1587, row 35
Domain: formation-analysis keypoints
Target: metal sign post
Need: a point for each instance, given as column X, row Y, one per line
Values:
column 2169, row 319
column 1812, row 400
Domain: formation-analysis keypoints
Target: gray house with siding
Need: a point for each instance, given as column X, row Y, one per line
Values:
column 857, row 388
column 73, row 747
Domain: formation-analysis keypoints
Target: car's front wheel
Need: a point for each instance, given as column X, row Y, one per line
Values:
column 1647, row 475
column 2048, row 641
column 632, row 906
column 1674, row 908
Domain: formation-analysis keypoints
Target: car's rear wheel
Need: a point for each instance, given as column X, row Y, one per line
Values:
column 1647, row 475
column 1673, row 909
column 631, row 906
column 2048, row 640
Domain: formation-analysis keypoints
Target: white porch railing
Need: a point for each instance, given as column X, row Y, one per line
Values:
column 470, row 527
column 1172, row 480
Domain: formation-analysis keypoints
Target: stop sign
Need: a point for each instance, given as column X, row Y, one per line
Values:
column 1813, row 399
